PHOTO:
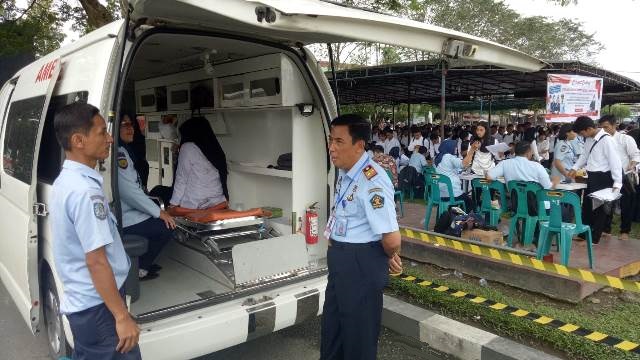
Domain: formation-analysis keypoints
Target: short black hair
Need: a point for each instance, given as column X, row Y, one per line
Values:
column 564, row 129
column 583, row 123
column 73, row 118
column 522, row 147
column 378, row 148
column 611, row 119
column 359, row 128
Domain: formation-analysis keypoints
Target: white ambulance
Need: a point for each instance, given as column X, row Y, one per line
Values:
column 222, row 283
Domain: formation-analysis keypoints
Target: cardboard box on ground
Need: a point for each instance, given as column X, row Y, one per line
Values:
column 485, row 236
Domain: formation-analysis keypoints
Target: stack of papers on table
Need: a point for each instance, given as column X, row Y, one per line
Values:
column 498, row 148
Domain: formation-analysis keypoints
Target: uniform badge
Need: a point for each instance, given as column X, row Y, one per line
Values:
column 563, row 148
column 123, row 163
column 375, row 190
column 377, row 201
column 369, row 172
column 99, row 210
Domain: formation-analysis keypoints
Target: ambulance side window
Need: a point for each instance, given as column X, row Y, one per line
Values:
column 19, row 141
column 51, row 154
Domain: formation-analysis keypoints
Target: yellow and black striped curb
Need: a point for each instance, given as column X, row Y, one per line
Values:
column 593, row 336
column 522, row 260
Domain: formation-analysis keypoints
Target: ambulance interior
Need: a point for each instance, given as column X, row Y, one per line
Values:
column 260, row 107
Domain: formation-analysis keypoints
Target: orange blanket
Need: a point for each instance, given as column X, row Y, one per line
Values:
column 215, row 213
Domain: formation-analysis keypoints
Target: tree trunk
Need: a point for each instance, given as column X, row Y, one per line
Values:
column 97, row 14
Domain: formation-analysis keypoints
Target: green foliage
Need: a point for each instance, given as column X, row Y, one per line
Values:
column 620, row 111
column 36, row 30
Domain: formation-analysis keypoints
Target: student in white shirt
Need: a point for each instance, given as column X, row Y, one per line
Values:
column 201, row 177
column 416, row 140
column 509, row 136
column 629, row 158
column 542, row 145
column 390, row 141
column 483, row 160
column 530, row 136
column 604, row 170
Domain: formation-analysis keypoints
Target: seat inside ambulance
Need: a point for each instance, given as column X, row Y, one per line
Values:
column 260, row 104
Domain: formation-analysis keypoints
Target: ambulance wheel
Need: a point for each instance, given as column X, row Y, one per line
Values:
column 58, row 345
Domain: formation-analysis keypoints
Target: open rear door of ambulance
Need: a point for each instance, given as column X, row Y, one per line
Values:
column 22, row 130
column 313, row 21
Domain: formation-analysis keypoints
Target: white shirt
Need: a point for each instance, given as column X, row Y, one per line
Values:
column 197, row 184
column 601, row 156
column 414, row 142
column 390, row 144
column 508, row 138
column 534, row 150
column 541, row 147
column 627, row 149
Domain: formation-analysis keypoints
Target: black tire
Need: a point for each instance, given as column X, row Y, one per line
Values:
column 56, row 339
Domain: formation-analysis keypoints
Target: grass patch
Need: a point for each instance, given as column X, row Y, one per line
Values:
column 612, row 316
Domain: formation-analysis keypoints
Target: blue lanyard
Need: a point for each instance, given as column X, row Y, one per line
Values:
column 350, row 183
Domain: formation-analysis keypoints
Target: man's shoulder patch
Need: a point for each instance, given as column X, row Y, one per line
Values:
column 369, row 172
column 99, row 210
column 377, row 201
column 563, row 148
column 123, row 163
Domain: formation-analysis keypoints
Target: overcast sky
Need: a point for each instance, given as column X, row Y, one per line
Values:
column 615, row 24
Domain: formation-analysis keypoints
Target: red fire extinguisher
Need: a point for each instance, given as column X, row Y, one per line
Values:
column 311, row 224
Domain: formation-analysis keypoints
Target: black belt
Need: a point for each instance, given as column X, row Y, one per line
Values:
column 346, row 245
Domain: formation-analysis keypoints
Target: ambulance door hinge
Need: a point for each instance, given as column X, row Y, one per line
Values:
column 266, row 13
column 40, row 209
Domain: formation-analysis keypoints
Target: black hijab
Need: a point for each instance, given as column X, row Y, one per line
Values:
column 529, row 135
column 198, row 131
column 137, row 149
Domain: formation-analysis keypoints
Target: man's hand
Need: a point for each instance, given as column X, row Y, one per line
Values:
column 395, row 264
column 475, row 145
column 615, row 190
column 168, row 219
column 555, row 180
column 128, row 333
column 571, row 174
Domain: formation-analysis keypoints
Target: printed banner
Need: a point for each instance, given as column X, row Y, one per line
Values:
column 571, row 96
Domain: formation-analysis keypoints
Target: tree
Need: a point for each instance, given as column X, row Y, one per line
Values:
column 620, row 111
column 34, row 30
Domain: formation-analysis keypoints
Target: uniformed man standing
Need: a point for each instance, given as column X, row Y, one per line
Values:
column 87, row 249
column 604, row 170
column 364, row 245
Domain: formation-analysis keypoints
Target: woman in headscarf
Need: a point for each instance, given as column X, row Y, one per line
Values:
column 483, row 159
column 530, row 136
column 137, row 148
column 201, row 176
column 564, row 153
column 447, row 163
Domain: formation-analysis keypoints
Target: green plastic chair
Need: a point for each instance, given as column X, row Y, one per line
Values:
column 486, row 187
column 397, row 193
column 564, row 232
column 426, row 172
column 521, row 188
column 434, row 180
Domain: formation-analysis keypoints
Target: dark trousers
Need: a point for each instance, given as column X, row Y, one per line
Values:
column 599, row 218
column 95, row 337
column 352, row 309
column 156, row 232
column 627, row 205
column 468, row 202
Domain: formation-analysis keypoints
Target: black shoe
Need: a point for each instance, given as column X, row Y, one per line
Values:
column 149, row 276
column 154, row 268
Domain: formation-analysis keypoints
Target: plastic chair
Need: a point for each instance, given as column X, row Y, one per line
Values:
column 434, row 181
column 563, row 231
column 521, row 188
column 485, row 207
column 396, row 193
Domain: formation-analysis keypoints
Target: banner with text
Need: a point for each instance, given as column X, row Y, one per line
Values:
column 570, row 96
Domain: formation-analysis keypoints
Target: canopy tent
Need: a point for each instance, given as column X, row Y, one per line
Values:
column 420, row 82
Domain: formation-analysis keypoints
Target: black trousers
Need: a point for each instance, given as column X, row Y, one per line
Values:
column 154, row 230
column 352, row 309
column 598, row 219
column 627, row 206
column 95, row 337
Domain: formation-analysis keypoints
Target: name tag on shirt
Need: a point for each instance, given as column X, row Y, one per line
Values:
column 341, row 227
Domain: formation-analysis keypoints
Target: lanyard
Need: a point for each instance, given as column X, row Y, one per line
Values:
column 350, row 183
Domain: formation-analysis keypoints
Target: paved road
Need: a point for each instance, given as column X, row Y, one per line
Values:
column 299, row 342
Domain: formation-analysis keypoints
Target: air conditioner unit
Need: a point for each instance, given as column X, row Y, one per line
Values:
column 453, row 48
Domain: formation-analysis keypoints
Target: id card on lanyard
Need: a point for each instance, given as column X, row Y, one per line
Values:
column 342, row 223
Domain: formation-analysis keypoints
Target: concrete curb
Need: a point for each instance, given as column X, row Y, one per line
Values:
column 452, row 337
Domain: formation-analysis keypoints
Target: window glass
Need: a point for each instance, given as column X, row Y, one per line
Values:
column 51, row 154
column 265, row 87
column 180, row 96
column 147, row 100
column 152, row 150
column 232, row 91
column 20, row 137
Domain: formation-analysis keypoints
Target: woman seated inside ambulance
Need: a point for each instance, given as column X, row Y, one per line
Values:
column 201, row 175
